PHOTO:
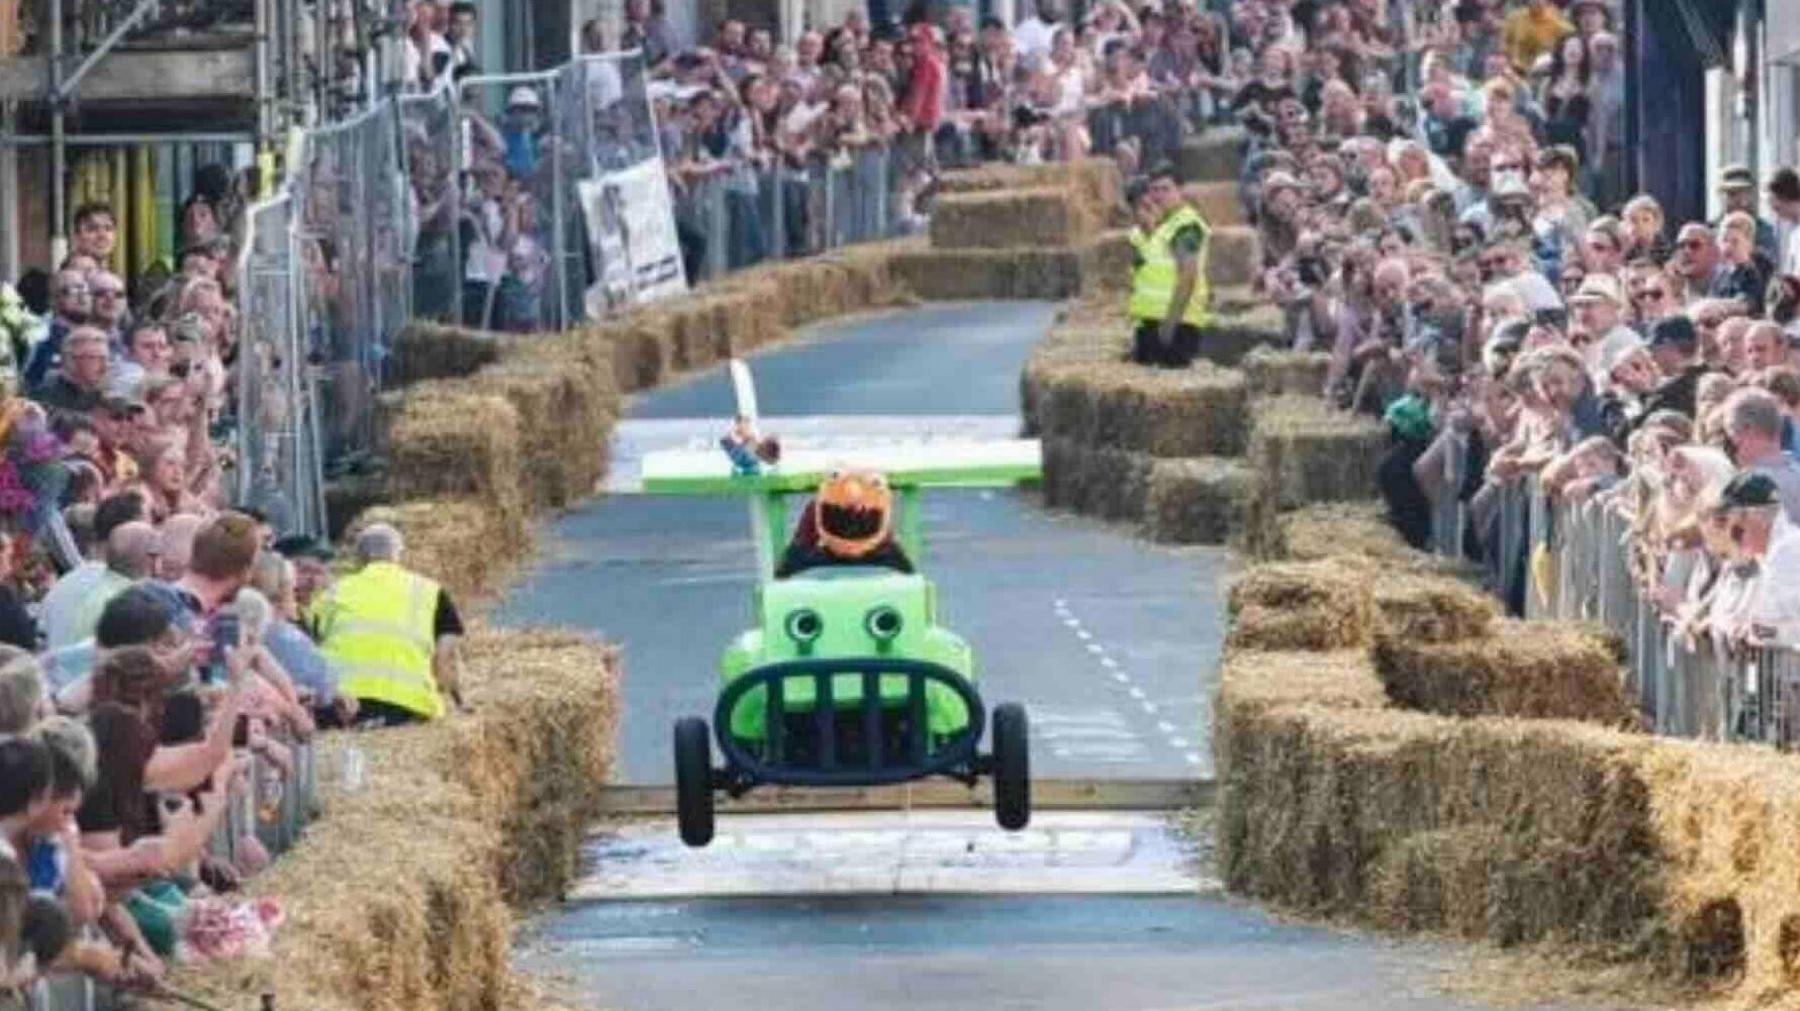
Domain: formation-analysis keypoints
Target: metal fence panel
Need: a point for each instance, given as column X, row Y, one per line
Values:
column 428, row 133
column 276, row 454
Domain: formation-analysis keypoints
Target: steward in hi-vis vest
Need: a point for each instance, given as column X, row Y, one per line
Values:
column 1169, row 298
column 387, row 632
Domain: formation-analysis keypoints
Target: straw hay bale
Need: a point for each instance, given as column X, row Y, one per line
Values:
column 1316, row 796
column 395, row 899
column 449, row 441
column 426, row 350
column 1419, row 607
column 1106, row 266
column 1196, row 411
column 958, row 274
column 1217, row 155
column 1300, row 605
column 465, row 545
column 1217, row 201
column 642, row 352
column 1274, row 371
column 1313, row 454
column 1238, row 327
column 1095, row 481
column 1095, row 180
column 544, row 749
column 1541, row 670
column 1339, row 679
column 1233, row 255
column 1195, row 500
column 1004, row 219
column 564, row 424
column 1341, row 529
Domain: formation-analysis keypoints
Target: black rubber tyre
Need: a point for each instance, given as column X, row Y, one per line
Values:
column 693, row 780
column 1012, row 767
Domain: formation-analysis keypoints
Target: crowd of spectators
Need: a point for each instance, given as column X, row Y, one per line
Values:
column 128, row 723
column 133, row 707
column 1445, row 216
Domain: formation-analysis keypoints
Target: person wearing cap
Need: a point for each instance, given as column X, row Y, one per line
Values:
column 391, row 633
column 1737, row 187
column 1169, row 300
column 1784, row 201
column 520, row 128
column 1598, row 307
column 1763, row 530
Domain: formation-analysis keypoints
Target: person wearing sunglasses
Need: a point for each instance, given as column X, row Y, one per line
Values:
column 1696, row 263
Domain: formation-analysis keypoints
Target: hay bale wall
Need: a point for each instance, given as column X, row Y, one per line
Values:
column 1311, row 454
column 1273, row 371
column 963, row 274
column 436, row 351
column 1002, row 219
column 399, row 899
column 1196, row 500
column 1542, row 670
column 1492, row 824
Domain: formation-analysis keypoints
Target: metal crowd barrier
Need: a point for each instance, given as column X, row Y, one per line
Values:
column 276, row 825
column 1701, row 689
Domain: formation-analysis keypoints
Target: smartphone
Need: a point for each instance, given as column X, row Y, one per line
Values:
column 226, row 633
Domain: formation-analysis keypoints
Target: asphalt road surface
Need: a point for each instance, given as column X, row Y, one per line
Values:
column 1109, row 642
column 938, row 953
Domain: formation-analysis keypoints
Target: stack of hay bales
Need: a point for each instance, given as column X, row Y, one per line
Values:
column 427, row 350
column 1275, row 371
column 1312, row 454
column 1011, row 231
column 1157, row 447
column 1546, row 670
column 1006, row 219
column 1395, row 754
column 402, row 896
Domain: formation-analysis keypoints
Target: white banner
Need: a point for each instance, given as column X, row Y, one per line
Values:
column 629, row 211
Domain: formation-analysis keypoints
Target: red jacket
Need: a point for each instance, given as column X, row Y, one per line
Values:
column 923, row 104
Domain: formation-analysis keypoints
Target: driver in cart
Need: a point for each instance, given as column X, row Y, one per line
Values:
column 849, row 522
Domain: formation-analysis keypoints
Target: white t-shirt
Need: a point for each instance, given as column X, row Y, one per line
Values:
column 1776, row 599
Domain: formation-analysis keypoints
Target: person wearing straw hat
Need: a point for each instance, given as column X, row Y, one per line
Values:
column 1737, row 187
column 1169, row 299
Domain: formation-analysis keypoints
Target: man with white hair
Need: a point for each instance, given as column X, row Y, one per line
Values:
column 391, row 634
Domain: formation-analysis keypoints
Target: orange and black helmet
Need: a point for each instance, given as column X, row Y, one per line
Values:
column 854, row 513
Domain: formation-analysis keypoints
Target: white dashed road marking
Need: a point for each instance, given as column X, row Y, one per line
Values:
column 1105, row 736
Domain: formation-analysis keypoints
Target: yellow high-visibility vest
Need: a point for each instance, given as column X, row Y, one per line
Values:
column 1154, row 278
column 376, row 626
